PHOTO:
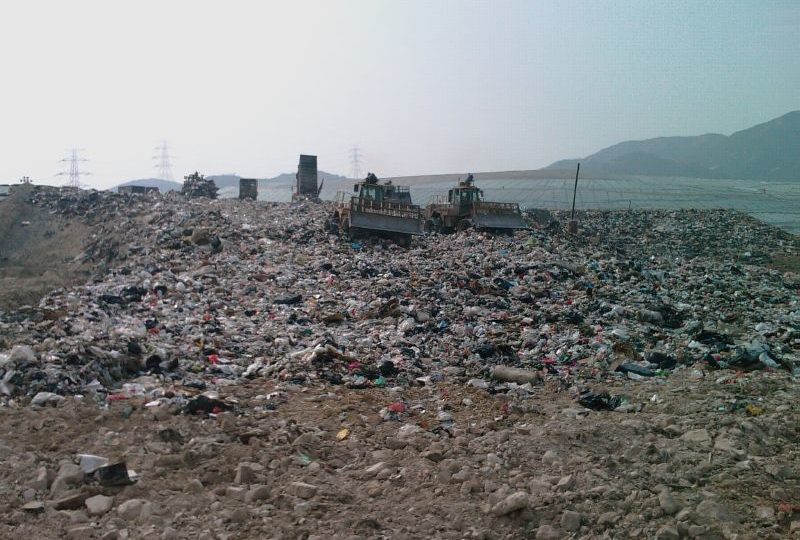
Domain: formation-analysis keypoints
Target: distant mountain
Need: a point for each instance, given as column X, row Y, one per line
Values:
column 768, row 151
column 228, row 181
column 225, row 180
column 162, row 185
column 288, row 179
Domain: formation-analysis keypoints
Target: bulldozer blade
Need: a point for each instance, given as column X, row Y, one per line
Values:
column 377, row 222
column 498, row 221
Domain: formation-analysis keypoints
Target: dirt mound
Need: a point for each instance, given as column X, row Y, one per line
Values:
column 39, row 250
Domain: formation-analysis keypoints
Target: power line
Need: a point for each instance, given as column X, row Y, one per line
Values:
column 164, row 164
column 355, row 162
column 74, row 171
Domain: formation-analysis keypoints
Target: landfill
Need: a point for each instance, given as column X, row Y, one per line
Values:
column 232, row 369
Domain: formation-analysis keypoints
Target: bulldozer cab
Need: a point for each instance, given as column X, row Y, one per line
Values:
column 369, row 192
column 464, row 195
column 382, row 192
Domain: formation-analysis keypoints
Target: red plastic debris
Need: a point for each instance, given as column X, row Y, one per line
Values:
column 353, row 366
column 788, row 508
column 397, row 407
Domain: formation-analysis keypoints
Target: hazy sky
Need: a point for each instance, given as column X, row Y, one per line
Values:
column 422, row 87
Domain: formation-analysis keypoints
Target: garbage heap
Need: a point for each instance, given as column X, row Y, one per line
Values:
column 195, row 294
column 196, row 185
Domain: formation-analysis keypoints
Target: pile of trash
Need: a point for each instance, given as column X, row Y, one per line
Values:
column 191, row 295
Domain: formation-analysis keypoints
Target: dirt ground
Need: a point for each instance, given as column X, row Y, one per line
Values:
column 635, row 475
column 39, row 251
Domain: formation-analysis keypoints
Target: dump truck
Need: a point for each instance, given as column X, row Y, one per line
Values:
column 465, row 208
column 377, row 209
column 306, row 187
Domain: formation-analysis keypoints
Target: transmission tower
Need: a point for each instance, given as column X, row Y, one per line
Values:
column 164, row 164
column 74, row 171
column 355, row 162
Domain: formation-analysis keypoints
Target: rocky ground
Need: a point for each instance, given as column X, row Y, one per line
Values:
column 243, row 374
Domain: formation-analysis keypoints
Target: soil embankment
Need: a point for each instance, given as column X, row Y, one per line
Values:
column 39, row 250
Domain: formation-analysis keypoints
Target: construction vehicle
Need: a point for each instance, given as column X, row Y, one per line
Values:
column 375, row 209
column 465, row 208
column 306, row 187
column 197, row 185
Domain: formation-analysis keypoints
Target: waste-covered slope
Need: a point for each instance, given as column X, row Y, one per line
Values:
column 263, row 377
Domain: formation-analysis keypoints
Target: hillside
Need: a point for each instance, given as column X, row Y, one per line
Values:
column 768, row 151
column 228, row 182
column 39, row 250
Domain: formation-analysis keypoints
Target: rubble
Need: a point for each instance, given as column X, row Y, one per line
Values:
column 99, row 505
column 512, row 503
column 251, row 366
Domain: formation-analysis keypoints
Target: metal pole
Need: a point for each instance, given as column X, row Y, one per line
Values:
column 575, row 191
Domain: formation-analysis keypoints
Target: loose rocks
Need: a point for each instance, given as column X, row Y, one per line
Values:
column 99, row 505
column 132, row 509
column 512, row 503
column 302, row 490
column 571, row 521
